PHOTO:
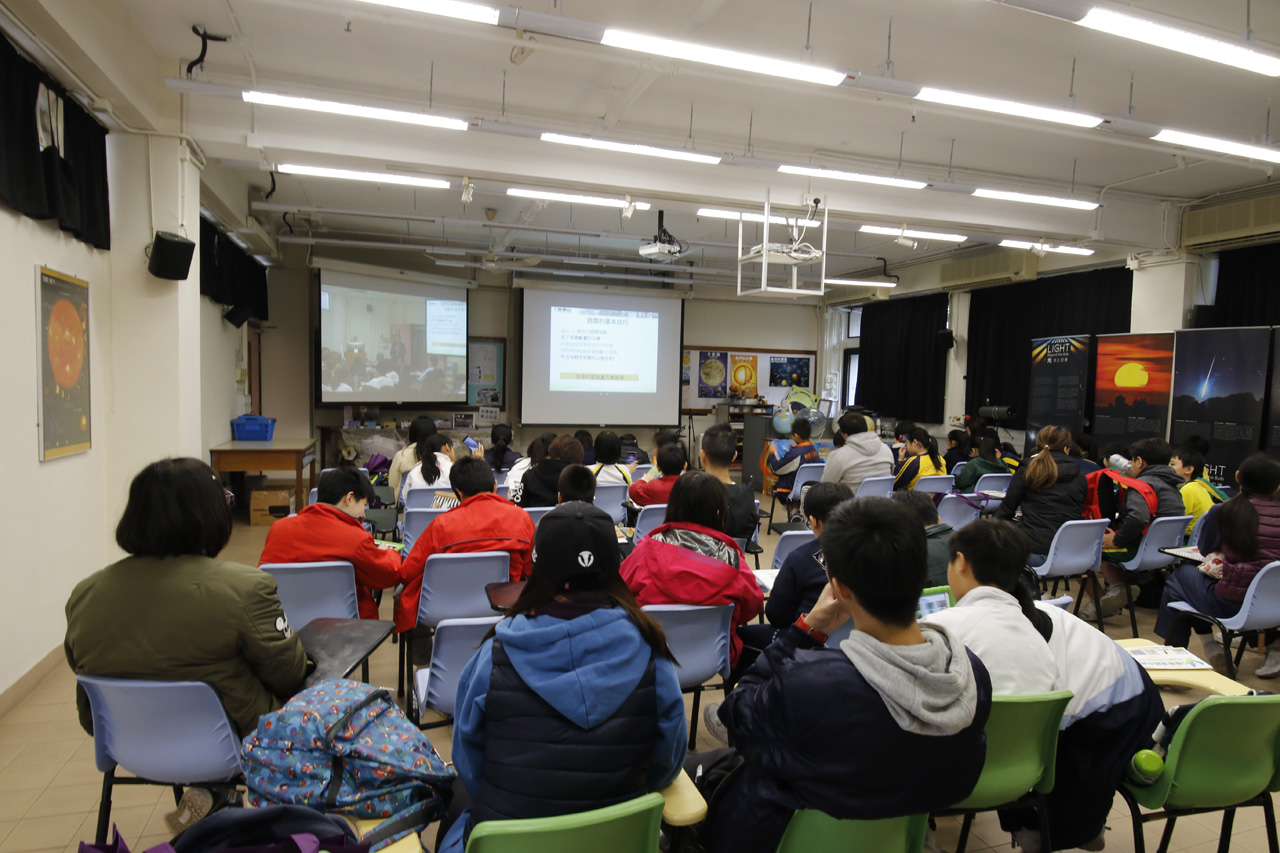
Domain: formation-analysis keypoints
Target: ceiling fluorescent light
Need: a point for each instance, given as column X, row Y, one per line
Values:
column 1045, row 247
column 373, row 177
column 629, row 148
column 270, row 99
column 918, row 235
column 448, row 8
column 722, row 58
column 1222, row 146
column 1180, row 40
column 859, row 282
column 1052, row 201
column 1010, row 108
column 852, row 176
column 757, row 217
column 577, row 199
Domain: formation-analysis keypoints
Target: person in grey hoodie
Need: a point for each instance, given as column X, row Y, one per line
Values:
column 888, row 724
column 859, row 454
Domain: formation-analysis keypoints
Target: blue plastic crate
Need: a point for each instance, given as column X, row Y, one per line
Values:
column 253, row 428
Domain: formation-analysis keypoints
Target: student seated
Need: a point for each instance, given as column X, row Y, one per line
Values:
column 719, row 449
column 984, row 458
column 420, row 429
column 330, row 529
column 672, row 460
column 689, row 559
column 660, row 440
column 1246, row 530
column 978, row 429
column 609, row 467
column 588, row 446
column 484, row 521
column 918, row 457
column 891, row 723
column 574, row 693
column 936, row 533
column 539, row 483
column 957, row 448
column 859, row 453
column 536, row 452
column 1050, row 491
column 171, row 611
column 1009, row 455
column 1120, row 543
column 435, row 459
column 576, row 483
column 500, row 456
column 1198, row 494
column 785, row 463
column 1078, row 454
column 632, row 452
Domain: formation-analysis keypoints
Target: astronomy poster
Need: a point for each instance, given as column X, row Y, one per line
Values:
column 1273, row 420
column 712, row 372
column 742, row 376
column 65, row 422
column 1132, row 386
column 1219, row 381
column 788, row 371
column 1059, row 371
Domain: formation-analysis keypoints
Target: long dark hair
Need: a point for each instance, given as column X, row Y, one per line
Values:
column 961, row 438
column 538, row 591
column 1238, row 518
column 921, row 435
column 986, row 448
column 176, row 507
column 427, row 451
column 500, row 439
column 699, row 498
column 538, row 447
column 997, row 551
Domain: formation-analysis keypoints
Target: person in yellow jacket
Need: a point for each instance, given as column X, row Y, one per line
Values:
column 918, row 457
column 1198, row 494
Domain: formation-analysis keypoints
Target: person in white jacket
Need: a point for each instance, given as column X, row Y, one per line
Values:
column 859, row 454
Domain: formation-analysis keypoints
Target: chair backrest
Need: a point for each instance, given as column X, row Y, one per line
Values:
column 499, row 478
column 537, row 512
column 1168, row 532
column 1063, row 601
column 610, row 497
column 993, row 483
column 650, row 516
column 423, row 497
column 315, row 590
column 809, row 472
column 364, row 471
column 1076, row 549
column 503, row 489
column 1223, row 753
column 698, row 636
column 384, row 493
column 455, row 642
column 955, row 469
column 630, row 827
column 312, row 497
column 453, row 585
column 788, row 542
column 957, row 511
column 1261, row 608
column 811, row 830
column 1193, row 538
column 166, row 731
column 935, row 484
column 1022, row 748
column 875, row 487
column 640, row 471
column 416, row 521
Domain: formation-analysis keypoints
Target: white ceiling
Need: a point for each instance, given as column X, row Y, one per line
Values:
column 356, row 52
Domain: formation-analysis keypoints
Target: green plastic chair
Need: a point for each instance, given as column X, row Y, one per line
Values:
column 811, row 830
column 1022, row 752
column 630, row 827
column 1223, row 756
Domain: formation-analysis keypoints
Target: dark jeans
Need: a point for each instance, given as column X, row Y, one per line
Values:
column 1189, row 584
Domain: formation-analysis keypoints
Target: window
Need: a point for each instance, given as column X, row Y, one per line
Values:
column 850, row 375
column 855, row 323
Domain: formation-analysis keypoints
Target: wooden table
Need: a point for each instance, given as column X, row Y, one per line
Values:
column 1206, row 680
column 280, row 454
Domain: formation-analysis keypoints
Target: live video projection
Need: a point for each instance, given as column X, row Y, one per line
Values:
column 389, row 341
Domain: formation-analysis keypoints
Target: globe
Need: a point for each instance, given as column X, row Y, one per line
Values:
column 783, row 421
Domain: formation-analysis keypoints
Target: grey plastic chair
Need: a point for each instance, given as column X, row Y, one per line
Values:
column 698, row 637
column 424, row 497
column 1168, row 532
column 416, row 521
column 957, row 511
column 935, row 484
column 875, row 487
column 1076, row 550
column 650, row 516
column 315, row 590
column 537, row 512
column 1259, row 612
column 787, row 543
column 453, row 645
column 806, row 475
column 610, row 497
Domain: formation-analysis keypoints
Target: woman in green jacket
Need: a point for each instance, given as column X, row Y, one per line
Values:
column 985, row 459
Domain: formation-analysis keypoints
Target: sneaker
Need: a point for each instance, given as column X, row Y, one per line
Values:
column 1217, row 656
column 715, row 728
column 1099, row 843
column 1028, row 840
column 1271, row 666
column 194, row 805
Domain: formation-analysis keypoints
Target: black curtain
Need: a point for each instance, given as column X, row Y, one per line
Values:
column 69, row 185
column 1248, row 290
column 903, row 362
column 1004, row 320
column 229, row 275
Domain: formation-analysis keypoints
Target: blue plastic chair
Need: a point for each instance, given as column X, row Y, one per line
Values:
column 875, row 487
column 453, row 645
column 1076, row 550
column 935, row 484
column 504, row 490
column 787, row 543
column 537, row 512
column 959, row 466
column 806, row 475
column 416, row 521
column 957, row 511
column 610, row 497
column 698, row 637
column 1259, row 612
column 1193, row 538
column 1168, row 532
column 315, row 591
column 650, row 516
column 163, row 732
column 499, row 478
column 311, row 497
column 993, row 483
column 640, row 471
column 324, row 471
column 424, row 497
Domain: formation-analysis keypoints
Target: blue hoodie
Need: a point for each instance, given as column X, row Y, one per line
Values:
column 585, row 668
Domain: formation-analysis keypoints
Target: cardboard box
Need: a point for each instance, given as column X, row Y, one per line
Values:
column 268, row 505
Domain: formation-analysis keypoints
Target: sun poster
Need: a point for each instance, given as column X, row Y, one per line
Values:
column 1059, row 371
column 64, row 417
column 1132, row 387
column 742, row 376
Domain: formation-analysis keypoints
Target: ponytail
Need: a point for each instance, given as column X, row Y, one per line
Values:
column 921, row 435
column 1042, row 471
column 500, row 439
column 997, row 552
column 427, row 451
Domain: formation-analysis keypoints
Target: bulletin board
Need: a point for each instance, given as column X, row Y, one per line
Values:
column 710, row 376
column 485, row 386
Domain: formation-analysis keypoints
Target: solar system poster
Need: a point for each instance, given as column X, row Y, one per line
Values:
column 65, row 422
column 1132, row 386
column 1059, row 373
column 1219, row 383
column 788, row 371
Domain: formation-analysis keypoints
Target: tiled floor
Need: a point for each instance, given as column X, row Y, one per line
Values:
column 49, row 786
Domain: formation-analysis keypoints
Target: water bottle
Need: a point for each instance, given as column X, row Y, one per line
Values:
column 1118, row 462
column 1145, row 767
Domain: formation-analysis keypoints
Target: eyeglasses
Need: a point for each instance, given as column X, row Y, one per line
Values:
column 821, row 559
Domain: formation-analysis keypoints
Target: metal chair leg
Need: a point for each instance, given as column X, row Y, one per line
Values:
column 1224, row 837
column 1167, row 835
column 1269, row 813
column 1135, row 817
column 1133, row 610
column 364, row 670
column 406, row 652
column 104, row 807
column 177, row 795
column 693, row 724
column 965, row 826
column 1042, row 815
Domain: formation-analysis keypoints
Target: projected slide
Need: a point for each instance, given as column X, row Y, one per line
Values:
column 598, row 349
column 390, row 341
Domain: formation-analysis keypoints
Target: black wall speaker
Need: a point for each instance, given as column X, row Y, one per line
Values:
column 170, row 256
column 238, row 315
column 946, row 339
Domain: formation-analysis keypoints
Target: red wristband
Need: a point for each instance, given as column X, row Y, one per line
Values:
column 817, row 636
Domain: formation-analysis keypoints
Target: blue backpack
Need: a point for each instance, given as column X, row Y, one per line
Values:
column 345, row 747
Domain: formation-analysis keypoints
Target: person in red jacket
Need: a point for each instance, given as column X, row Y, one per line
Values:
column 690, row 560
column 484, row 521
column 330, row 529
column 671, row 461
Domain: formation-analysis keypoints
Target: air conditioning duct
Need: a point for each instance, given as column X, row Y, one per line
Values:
column 989, row 270
column 1228, row 224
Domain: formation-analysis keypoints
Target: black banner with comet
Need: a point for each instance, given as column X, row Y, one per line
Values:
column 65, row 422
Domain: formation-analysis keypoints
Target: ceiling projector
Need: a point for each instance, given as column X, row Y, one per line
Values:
column 661, row 251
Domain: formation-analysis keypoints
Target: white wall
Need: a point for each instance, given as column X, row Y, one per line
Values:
column 750, row 323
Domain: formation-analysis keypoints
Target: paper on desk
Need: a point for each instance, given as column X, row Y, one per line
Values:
column 766, row 577
column 1166, row 657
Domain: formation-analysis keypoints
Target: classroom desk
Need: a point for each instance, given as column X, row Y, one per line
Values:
column 684, row 805
column 340, row 645
column 503, row 594
column 1206, row 680
column 280, row 454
